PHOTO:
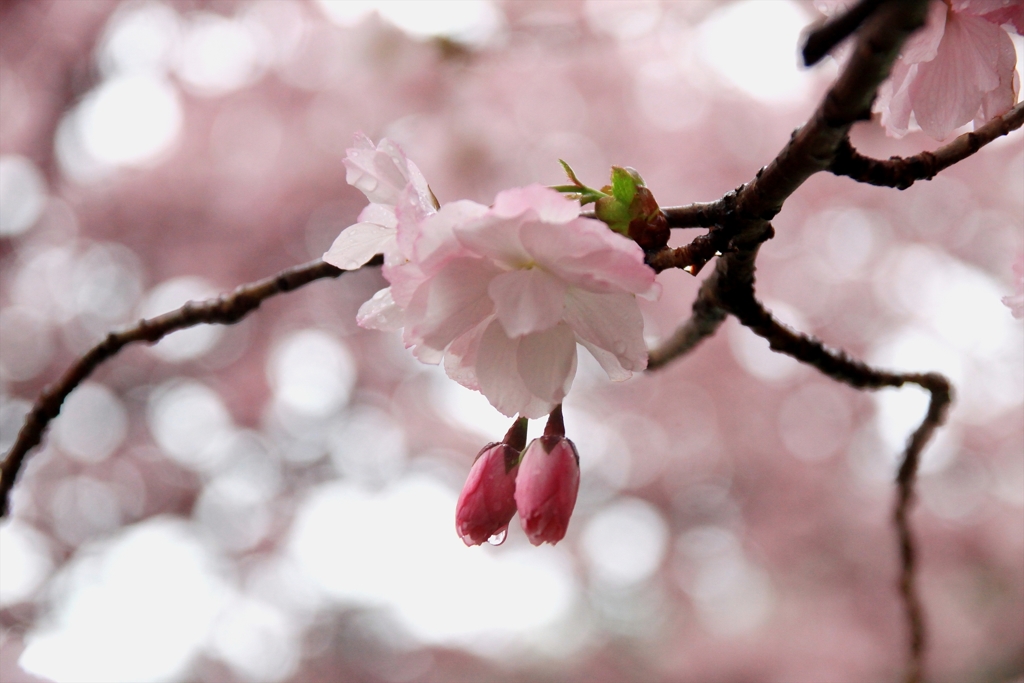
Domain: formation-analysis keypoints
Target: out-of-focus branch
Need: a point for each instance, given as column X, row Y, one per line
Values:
column 902, row 172
column 226, row 309
column 834, row 30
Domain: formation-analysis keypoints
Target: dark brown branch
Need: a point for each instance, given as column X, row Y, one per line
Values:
column 706, row 317
column 697, row 215
column 839, row 366
column 225, row 310
column 902, row 172
column 833, row 31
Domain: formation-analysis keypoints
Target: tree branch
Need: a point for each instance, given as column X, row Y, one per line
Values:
column 833, row 31
column 839, row 366
column 225, row 310
column 902, row 172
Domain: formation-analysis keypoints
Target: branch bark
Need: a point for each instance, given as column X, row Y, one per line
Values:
column 224, row 310
column 902, row 172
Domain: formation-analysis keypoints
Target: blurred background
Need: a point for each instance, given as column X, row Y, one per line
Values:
column 274, row 501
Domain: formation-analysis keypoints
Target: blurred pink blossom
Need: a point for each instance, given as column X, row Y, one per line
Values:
column 1016, row 301
column 487, row 503
column 547, row 485
column 382, row 173
column 958, row 68
column 503, row 294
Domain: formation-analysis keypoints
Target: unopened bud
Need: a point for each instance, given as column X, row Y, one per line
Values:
column 487, row 502
column 547, row 484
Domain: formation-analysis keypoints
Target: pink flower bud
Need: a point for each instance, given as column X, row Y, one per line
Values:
column 548, row 481
column 487, row 502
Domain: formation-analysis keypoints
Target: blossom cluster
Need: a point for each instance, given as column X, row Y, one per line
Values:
column 500, row 294
column 540, row 483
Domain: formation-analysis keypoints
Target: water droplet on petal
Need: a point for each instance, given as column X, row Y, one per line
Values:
column 498, row 538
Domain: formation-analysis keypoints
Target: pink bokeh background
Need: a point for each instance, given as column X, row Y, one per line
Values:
column 275, row 501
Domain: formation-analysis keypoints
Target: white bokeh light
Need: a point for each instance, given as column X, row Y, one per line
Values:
column 190, row 423
column 133, row 609
column 128, row 120
column 22, row 194
column 139, row 38
column 397, row 549
column 92, row 423
column 217, row 54
column 312, row 373
column 625, row 542
column 25, row 561
column 257, row 640
column 753, row 44
column 733, row 597
column 467, row 21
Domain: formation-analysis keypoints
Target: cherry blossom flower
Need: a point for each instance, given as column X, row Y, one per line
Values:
column 487, row 503
column 382, row 173
column 547, row 484
column 1016, row 301
column 503, row 294
column 960, row 67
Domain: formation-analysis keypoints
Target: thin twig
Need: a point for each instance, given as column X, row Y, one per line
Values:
column 226, row 309
column 839, row 366
column 902, row 172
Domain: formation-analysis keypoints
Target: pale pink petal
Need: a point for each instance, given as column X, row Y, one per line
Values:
column 460, row 356
column 948, row 90
column 894, row 99
column 405, row 278
column 450, row 303
column 435, row 244
column 999, row 100
column 612, row 322
column 497, row 239
column 381, row 312
column 923, row 45
column 548, row 205
column 357, row 244
column 377, row 175
column 981, row 7
column 1010, row 15
column 527, row 300
column 426, row 354
column 547, row 362
column 586, row 253
column 381, row 214
column 497, row 371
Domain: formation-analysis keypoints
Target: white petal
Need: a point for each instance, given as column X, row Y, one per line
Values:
column 527, row 300
column 381, row 214
column 612, row 322
column 357, row 244
column 608, row 361
column 547, row 362
column 381, row 312
column 549, row 206
column 497, row 371
column 460, row 356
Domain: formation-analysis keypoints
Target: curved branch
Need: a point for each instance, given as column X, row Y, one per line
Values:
column 902, row 172
column 226, row 309
column 839, row 366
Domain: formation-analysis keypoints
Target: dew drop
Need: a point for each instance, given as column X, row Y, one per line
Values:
column 498, row 538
